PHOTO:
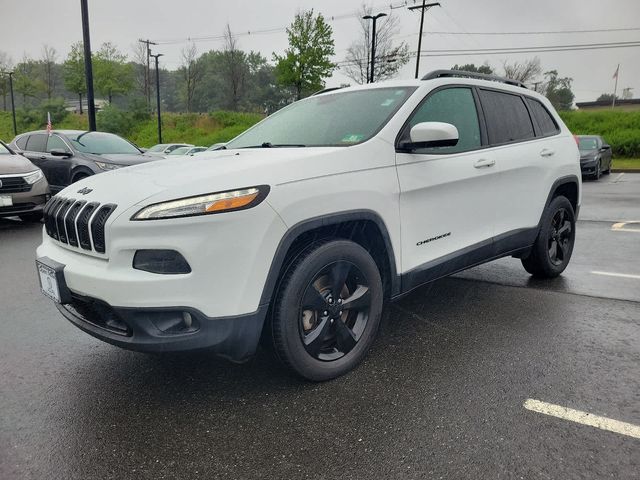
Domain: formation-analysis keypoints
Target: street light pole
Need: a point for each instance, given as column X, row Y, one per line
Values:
column 373, row 42
column 13, row 103
column 158, row 55
column 423, row 8
column 88, row 68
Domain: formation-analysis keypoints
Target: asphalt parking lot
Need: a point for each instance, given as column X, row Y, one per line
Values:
column 441, row 395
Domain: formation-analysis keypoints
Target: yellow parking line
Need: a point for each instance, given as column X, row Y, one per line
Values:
column 621, row 275
column 583, row 418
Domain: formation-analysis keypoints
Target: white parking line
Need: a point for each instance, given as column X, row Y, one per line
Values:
column 621, row 275
column 584, row 418
column 617, row 179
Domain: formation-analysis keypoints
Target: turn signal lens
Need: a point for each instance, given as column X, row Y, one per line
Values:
column 232, row 203
column 205, row 204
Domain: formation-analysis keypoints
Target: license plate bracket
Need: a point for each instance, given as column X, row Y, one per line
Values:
column 6, row 201
column 52, row 282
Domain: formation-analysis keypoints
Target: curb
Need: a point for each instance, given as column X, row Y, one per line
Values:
column 625, row 170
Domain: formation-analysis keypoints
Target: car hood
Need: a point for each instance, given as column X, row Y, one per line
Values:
column 124, row 159
column 207, row 173
column 10, row 164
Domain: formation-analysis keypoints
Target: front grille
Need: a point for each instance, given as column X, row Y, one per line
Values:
column 14, row 185
column 77, row 223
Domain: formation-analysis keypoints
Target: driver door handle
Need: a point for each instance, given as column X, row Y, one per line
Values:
column 547, row 153
column 484, row 163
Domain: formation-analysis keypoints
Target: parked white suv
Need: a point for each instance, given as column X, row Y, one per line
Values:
column 305, row 224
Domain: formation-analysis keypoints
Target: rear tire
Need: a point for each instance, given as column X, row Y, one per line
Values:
column 327, row 310
column 553, row 247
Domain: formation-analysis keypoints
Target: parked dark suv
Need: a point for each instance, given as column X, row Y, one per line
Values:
column 66, row 156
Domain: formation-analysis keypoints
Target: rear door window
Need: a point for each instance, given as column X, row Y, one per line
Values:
column 37, row 143
column 546, row 124
column 507, row 117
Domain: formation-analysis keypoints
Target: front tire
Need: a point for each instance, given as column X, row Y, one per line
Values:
column 553, row 247
column 598, row 172
column 327, row 310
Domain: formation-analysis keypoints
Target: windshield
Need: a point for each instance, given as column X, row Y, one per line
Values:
column 588, row 143
column 337, row 119
column 158, row 148
column 4, row 150
column 180, row 151
column 100, row 143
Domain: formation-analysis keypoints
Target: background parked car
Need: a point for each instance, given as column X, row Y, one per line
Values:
column 214, row 147
column 187, row 150
column 595, row 156
column 66, row 156
column 23, row 188
column 164, row 149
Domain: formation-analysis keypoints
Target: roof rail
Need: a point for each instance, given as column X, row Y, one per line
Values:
column 325, row 90
column 479, row 76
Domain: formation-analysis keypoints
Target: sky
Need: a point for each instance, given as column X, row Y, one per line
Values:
column 28, row 24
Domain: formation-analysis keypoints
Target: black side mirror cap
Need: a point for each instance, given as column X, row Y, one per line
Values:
column 605, row 147
column 58, row 152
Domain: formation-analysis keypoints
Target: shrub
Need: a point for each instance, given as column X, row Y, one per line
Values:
column 620, row 129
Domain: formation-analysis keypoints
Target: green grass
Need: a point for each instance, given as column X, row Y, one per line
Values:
column 627, row 163
column 620, row 129
column 198, row 129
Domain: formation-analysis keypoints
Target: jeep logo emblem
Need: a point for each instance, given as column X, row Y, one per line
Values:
column 85, row 191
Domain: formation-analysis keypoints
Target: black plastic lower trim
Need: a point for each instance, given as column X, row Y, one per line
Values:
column 233, row 338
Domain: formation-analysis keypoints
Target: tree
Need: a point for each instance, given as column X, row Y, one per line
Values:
column 558, row 90
column 607, row 97
column 140, row 69
column 73, row 72
column 113, row 75
column 48, row 61
column 234, row 69
column 307, row 61
column 485, row 68
column 524, row 72
column 191, row 73
column 27, row 82
column 389, row 58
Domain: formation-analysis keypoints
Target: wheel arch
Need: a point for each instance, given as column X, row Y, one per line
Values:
column 568, row 186
column 80, row 170
column 364, row 227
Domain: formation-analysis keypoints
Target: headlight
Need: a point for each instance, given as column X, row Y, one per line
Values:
column 107, row 166
column 205, row 204
column 33, row 177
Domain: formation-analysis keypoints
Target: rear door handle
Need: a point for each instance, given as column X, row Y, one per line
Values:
column 547, row 153
column 484, row 163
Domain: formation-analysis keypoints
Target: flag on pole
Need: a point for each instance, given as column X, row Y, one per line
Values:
column 49, row 123
column 615, row 75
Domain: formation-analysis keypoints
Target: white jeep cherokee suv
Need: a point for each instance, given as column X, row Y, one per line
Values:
column 303, row 226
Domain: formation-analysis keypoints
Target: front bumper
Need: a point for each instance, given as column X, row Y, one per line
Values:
column 588, row 167
column 30, row 202
column 164, row 330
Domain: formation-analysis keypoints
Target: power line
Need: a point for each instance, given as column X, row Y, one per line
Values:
column 539, row 32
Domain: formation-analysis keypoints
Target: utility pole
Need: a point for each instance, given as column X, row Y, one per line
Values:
column 423, row 8
column 158, row 55
column 373, row 42
column 88, row 68
column 147, row 73
column 615, row 88
column 13, row 103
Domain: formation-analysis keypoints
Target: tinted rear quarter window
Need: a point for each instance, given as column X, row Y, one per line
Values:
column 37, row 143
column 507, row 117
column 545, row 121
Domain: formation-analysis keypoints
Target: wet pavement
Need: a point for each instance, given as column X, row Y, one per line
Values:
column 440, row 395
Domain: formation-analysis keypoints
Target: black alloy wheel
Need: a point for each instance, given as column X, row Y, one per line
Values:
column 559, row 237
column 334, row 311
column 327, row 309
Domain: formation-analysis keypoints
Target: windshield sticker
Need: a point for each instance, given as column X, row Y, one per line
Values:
column 353, row 138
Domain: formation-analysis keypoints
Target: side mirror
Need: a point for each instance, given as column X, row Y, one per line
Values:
column 431, row 134
column 58, row 152
column 605, row 147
